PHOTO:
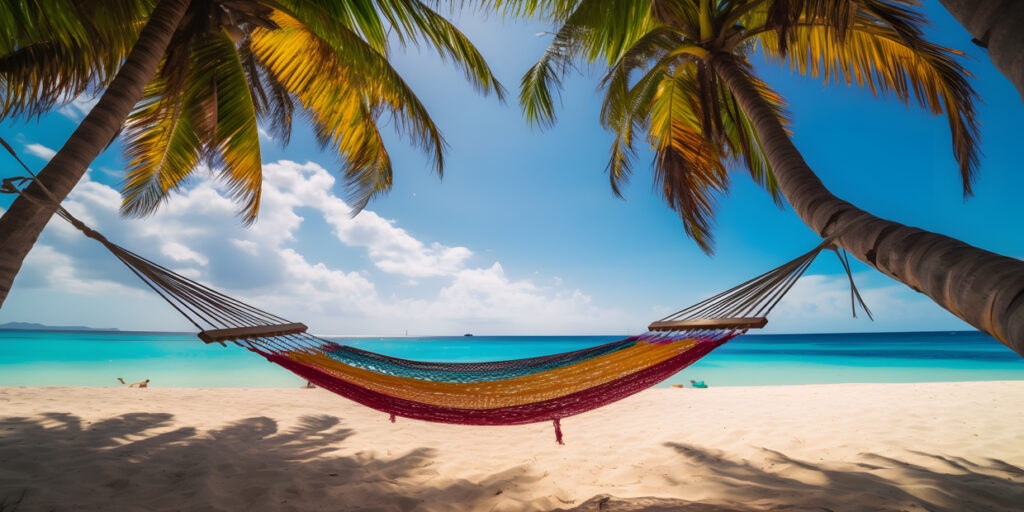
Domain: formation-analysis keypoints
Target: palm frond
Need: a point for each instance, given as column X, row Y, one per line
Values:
column 274, row 105
column 556, row 10
column 536, row 85
column 409, row 21
column 783, row 16
column 595, row 29
column 209, row 115
column 633, row 116
column 344, row 91
column 369, row 172
column 54, row 50
column 721, row 122
column 625, row 107
column 660, row 44
column 359, row 16
column 236, row 144
column 414, row 21
column 878, row 57
column 161, row 148
column 688, row 168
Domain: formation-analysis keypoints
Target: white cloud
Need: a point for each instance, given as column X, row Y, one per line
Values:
column 63, row 275
column 40, row 151
column 488, row 294
column 77, row 108
column 182, row 254
column 198, row 231
column 391, row 248
column 248, row 246
column 821, row 303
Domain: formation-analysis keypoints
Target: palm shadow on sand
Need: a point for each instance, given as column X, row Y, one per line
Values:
column 777, row 482
column 59, row 463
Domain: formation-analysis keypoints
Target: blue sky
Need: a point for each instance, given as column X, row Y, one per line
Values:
column 523, row 235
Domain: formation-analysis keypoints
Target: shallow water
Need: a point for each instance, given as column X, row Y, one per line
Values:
column 45, row 358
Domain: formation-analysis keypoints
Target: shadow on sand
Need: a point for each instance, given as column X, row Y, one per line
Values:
column 777, row 482
column 139, row 461
column 143, row 461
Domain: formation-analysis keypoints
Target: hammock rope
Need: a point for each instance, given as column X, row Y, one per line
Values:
column 545, row 388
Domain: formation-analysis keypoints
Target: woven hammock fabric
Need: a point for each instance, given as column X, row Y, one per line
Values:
column 467, row 372
column 520, row 390
column 542, row 398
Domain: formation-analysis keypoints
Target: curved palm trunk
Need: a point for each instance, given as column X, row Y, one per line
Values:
column 997, row 25
column 984, row 289
column 21, row 225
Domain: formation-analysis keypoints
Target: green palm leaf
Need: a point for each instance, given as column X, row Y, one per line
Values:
column 343, row 91
column 54, row 50
column 235, row 144
column 659, row 79
column 161, row 148
column 878, row 57
column 230, row 66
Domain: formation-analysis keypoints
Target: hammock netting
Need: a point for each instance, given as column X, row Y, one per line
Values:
column 545, row 388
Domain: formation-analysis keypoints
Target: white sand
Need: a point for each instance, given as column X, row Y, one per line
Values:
column 845, row 447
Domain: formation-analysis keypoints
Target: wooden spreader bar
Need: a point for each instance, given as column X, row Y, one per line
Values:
column 259, row 331
column 756, row 322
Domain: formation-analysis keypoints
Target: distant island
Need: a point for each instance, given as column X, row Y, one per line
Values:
column 29, row 326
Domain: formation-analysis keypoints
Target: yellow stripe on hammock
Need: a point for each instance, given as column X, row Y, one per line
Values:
column 508, row 392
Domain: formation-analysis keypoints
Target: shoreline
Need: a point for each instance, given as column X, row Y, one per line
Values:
column 850, row 447
column 40, row 359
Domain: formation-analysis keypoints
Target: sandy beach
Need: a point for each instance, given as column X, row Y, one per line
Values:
column 839, row 447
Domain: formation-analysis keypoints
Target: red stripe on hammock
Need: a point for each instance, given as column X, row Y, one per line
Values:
column 546, row 410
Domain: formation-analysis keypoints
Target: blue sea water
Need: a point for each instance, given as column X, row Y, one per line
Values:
column 47, row 358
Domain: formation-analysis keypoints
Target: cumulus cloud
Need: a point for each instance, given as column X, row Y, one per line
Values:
column 391, row 248
column 179, row 252
column 197, row 234
column 488, row 294
column 824, row 300
column 77, row 108
column 60, row 272
column 41, row 151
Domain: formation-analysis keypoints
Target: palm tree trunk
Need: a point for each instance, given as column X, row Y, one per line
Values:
column 984, row 289
column 22, row 223
column 996, row 25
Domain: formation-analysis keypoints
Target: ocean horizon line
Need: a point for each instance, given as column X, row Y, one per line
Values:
column 92, row 330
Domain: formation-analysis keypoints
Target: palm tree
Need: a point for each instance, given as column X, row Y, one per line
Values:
column 190, row 81
column 995, row 25
column 680, row 71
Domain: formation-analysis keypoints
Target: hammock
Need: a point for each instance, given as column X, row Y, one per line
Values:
column 545, row 388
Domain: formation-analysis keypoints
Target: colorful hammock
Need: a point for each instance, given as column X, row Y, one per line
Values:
column 545, row 388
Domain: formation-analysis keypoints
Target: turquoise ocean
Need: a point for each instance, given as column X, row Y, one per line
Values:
column 93, row 358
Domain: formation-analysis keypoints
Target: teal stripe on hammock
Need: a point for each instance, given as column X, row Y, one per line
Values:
column 439, row 375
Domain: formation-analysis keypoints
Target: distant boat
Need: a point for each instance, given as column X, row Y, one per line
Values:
column 468, row 334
